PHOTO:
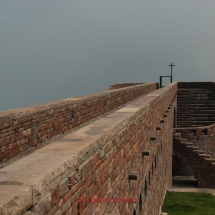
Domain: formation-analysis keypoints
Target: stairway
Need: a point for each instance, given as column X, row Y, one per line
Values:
column 201, row 163
column 195, row 107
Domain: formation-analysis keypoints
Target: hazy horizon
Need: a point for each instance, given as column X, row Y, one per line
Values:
column 52, row 50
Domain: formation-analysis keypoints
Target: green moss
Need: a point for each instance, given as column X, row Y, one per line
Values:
column 189, row 204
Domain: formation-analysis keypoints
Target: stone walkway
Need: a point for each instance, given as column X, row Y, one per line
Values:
column 192, row 190
column 188, row 184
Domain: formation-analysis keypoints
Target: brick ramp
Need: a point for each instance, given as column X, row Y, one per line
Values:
column 201, row 163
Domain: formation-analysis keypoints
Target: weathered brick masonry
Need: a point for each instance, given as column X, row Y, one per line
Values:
column 194, row 143
column 117, row 86
column 196, row 104
column 131, row 159
column 194, row 154
column 148, row 130
column 23, row 128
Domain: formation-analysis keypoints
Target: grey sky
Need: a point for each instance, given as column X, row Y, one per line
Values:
column 51, row 50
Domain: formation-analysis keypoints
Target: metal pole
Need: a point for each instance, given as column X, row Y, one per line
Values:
column 171, row 65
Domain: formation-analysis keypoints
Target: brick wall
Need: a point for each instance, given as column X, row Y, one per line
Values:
column 122, row 85
column 196, row 104
column 117, row 86
column 203, row 137
column 201, row 164
column 190, row 85
column 123, row 153
column 24, row 128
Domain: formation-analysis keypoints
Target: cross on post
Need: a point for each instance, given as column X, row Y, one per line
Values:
column 171, row 70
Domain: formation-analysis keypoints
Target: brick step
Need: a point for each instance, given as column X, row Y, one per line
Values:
column 182, row 105
column 202, row 108
column 197, row 125
column 205, row 109
column 202, row 114
column 181, row 121
column 187, row 123
column 206, row 112
column 200, row 118
column 177, row 135
column 189, row 145
column 201, row 97
column 200, row 93
column 202, row 105
column 182, row 115
column 197, row 90
column 200, row 122
column 204, row 94
column 184, row 124
column 182, row 108
column 205, row 102
column 183, row 97
column 200, row 88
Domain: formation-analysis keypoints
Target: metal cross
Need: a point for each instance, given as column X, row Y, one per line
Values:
column 171, row 70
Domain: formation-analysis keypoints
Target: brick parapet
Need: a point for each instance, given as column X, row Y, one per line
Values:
column 123, row 155
column 102, row 168
column 122, row 85
column 24, row 128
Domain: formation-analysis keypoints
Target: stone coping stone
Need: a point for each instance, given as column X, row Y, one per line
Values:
column 15, row 199
column 36, row 174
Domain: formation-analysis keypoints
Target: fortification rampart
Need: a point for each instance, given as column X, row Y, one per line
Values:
column 125, row 154
column 24, row 128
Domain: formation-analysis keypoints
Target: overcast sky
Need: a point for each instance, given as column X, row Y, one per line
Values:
column 56, row 49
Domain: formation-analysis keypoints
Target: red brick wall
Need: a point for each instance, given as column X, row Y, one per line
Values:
column 190, row 85
column 201, row 164
column 203, row 137
column 117, row 86
column 106, row 173
column 23, row 128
